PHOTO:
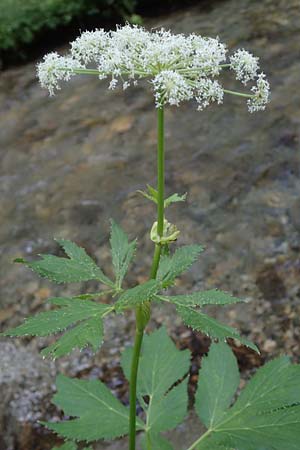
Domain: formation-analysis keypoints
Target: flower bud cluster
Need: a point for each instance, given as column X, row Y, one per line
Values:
column 179, row 67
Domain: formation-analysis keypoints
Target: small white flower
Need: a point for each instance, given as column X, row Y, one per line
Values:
column 245, row 65
column 113, row 84
column 126, row 85
column 208, row 91
column 171, row 87
column 55, row 68
column 89, row 46
column 261, row 94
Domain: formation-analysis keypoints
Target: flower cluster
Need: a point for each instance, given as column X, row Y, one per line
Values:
column 261, row 95
column 245, row 65
column 179, row 67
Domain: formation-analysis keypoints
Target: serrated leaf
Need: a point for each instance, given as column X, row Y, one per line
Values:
column 151, row 194
column 155, row 442
column 137, row 295
column 268, row 378
column 122, row 252
column 202, row 298
column 172, row 266
column 88, row 332
column 78, row 267
column 161, row 365
column 66, row 446
column 218, row 381
column 99, row 414
column 211, row 327
column 72, row 311
column 266, row 416
column 174, row 198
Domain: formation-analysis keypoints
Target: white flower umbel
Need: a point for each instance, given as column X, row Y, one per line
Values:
column 179, row 67
column 261, row 94
column 208, row 91
column 245, row 65
column 89, row 46
column 172, row 87
column 55, row 68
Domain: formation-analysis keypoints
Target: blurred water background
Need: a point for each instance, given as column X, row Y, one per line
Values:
column 71, row 162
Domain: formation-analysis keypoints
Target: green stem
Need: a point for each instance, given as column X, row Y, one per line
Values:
column 133, row 378
column 160, row 171
column 141, row 320
column 155, row 261
column 239, row 94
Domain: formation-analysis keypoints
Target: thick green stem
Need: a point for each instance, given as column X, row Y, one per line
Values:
column 133, row 378
column 155, row 261
column 140, row 312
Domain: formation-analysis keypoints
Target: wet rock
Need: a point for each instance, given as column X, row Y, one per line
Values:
column 26, row 385
column 270, row 284
column 295, row 214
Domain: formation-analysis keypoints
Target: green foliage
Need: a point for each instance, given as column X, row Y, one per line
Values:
column 265, row 416
column 99, row 414
column 152, row 195
column 218, row 382
column 122, row 252
column 22, row 21
column 85, row 316
column 207, row 325
column 174, row 265
column 202, row 298
column 78, row 267
column 161, row 365
column 137, row 295
column 192, row 317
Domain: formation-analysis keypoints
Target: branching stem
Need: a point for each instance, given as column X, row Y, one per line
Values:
column 140, row 314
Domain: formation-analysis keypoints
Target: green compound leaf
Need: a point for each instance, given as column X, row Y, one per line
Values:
column 218, row 381
column 78, row 267
column 174, row 198
column 155, row 442
column 266, row 415
column 138, row 295
column 161, row 365
column 172, row 266
column 202, row 298
column 122, row 252
column 99, row 414
column 211, row 327
column 152, row 195
column 89, row 331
